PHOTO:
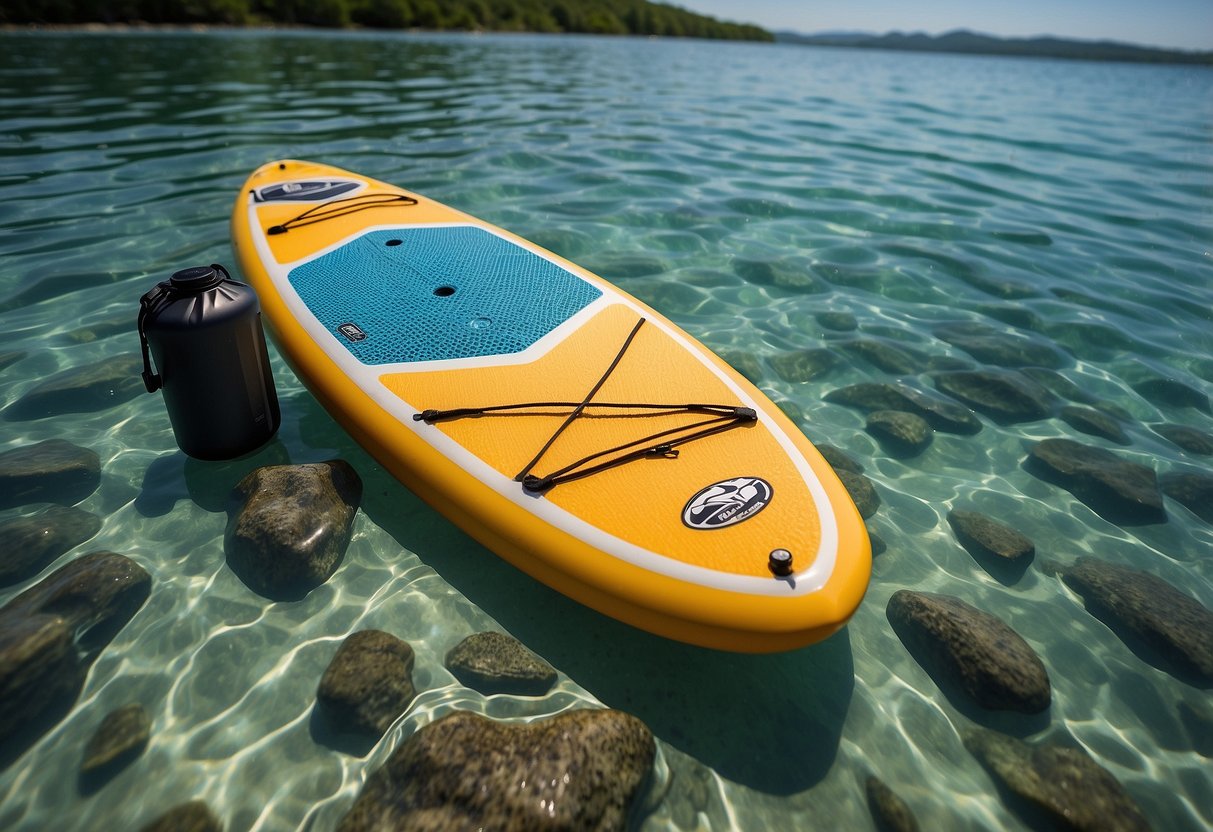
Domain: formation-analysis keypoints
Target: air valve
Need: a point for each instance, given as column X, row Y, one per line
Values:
column 780, row 563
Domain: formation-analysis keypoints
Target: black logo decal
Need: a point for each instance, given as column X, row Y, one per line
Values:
column 727, row 502
column 352, row 332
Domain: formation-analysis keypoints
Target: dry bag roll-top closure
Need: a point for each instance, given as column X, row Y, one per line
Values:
column 203, row 330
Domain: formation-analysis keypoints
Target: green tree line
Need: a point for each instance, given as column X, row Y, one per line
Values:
column 614, row 17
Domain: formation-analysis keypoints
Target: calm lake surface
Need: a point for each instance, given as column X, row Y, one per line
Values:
column 743, row 191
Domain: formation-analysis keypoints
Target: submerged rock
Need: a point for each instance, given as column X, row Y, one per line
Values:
column 1015, row 314
column 961, row 644
column 497, row 663
column 1144, row 606
column 673, row 297
column 745, row 363
column 7, row 359
column 40, row 676
column 983, row 536
column 990, row 346
column 1059, row 384
column 902, row 434
column 54, row 471
column 1190, row 439
column 876, row 542
column 1169, row 391
column 119, row 323
column 1120, row 491
column 1193, row 489
column 621, row 265
column 940, row 414
column 803, row 365
column 862, row 492
column 51, row 633
column 292, row 531
column 1094, row 422
column 1065, row 783
column 369, row 682
column 839, row 460
column 888, row 810
column 578, row 770
column 792, row 410
column 1005, row 396
column 779, row 273
column 900, row 361
column 194, row 816
column 91, row 593
column 92, row 387
column 837, row 321
column 120, row 738
column 27, row 544
column 999, row 287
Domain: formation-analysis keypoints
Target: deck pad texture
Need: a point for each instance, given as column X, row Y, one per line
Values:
column 426, row 294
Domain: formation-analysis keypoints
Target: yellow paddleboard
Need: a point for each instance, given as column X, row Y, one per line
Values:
column 562, row 423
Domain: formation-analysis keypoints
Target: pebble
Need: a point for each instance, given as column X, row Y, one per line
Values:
column 1005, row 396
column 92, row 387
column 120, row 738
column 1093, row 422
column 901, row 434
column 369, row 682
column 984, row 536
column 1119, row 490
column 580, row 769
column 890, row 812
column 1192, row 488
column 1190, row 439
column 1064, row 782
column 1170, row 621
column 862, row 492
column 291, row 533
column 497, row 663
column 28, row 544
column 54, row 471
column 939, row 413
column 958, row 643
column 803, row 365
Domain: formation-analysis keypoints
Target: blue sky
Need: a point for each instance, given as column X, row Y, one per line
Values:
column 1184, row 24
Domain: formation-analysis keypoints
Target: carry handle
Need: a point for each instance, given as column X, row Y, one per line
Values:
column 147, row 303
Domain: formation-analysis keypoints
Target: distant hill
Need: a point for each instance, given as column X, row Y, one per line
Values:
column 965, row 42
column 606, row 17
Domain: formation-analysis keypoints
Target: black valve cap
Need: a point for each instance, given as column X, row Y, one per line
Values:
column 780, row 562
column 196, row 279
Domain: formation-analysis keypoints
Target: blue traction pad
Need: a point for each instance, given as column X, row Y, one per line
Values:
column 424, row 294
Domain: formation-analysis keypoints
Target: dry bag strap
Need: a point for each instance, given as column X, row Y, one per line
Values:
column 148, row 304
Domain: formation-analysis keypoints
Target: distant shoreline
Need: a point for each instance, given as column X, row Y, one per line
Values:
column 270, row 26
column 952, row 43
column 595, row 17
column 963, row 42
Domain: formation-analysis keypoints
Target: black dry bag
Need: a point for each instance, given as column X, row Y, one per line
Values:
column 204, row 333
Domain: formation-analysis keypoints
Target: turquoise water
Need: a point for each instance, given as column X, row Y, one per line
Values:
column 740, row 189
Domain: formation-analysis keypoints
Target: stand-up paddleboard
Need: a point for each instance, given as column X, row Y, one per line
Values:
column 562, row 423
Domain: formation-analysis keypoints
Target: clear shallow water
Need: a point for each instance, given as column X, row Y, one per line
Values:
column 1066, row 202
